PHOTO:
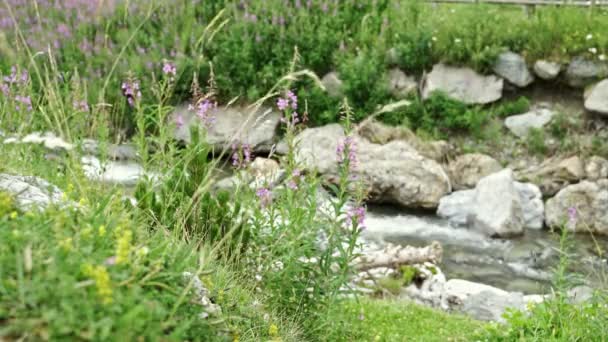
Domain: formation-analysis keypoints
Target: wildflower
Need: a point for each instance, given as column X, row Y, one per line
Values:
column 346, row 151
column 130, row 90
column 179, row 121
column 265, row 196
column 169, row 68
column 572, row 215
column 101, row 231
column 457, row 40
column 99, row 274
column 593, row 50
column 123, row 247
column 602, row 57
column 204, row 111
column 282, row 104
column 273, row 330
column 66, row 244
column 241, row 155
column 13, row 215
column 356, row 217
column 142, row 251
column 23, row 100
column 81, row 106
column 589, row 36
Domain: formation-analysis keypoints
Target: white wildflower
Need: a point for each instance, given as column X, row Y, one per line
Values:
column 593, row 50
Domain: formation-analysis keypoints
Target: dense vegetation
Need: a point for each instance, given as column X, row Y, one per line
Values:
column 102, row 268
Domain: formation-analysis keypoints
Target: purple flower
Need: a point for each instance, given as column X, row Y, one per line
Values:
column 264, row 196
column 204, row 111
column 169, row 68
column 346, row 151
column 292, row 185
column 241, row 155
column 179, row 121
column 23, row 100
column 82, row 106
column 130, row 90
column 356, row 217
column 282, row 104
column 572, row 215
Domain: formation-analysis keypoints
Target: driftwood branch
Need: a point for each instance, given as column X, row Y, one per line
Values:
column 394, row 256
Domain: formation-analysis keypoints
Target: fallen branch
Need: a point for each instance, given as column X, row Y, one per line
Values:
column 395, row 255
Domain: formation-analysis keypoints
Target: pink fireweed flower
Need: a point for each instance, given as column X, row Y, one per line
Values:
column 355, row 216
column 264, row 196
column 346, row 151
column 241, row 155
column 204, row 111
column 282, row 104
column 572, row 215
column 130, row 90
column 81, row 106
column 169, row 68
column 23, row 102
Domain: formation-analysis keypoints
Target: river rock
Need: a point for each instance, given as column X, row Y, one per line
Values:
column 30, row 192
column 554, row 174
column 516, row 205
column 125, row 173
column 232, row 124
column 394, row 172
column 47, row 139
column 521, row 124
column 467, row 169
column 596, row 99
column 581, row 72
column 463, row 84
column 112, row 151
column 379, row 133
column 333, row 84
column 513, row 68
column 590, row 200
column 596, row 168
column 498, row 210
column 547, row 70
column 400, row 85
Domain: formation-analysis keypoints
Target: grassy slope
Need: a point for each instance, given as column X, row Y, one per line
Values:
column 388, row 320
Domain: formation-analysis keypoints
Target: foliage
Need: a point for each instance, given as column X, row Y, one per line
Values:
column 390, row 320
column 535, row 141
column 519, row 106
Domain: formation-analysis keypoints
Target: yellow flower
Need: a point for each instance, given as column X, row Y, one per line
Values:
column 101, row 277
column 123, row 247
column 273, row 330
column 236, row 337
column 13, row 215
column 66, row 244
column 102, row 231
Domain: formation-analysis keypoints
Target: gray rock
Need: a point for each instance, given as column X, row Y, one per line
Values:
column 596, row 168
column 596, row 99
column 521, row 124
column 547, row 70
column 394, row 172
column 47, row 139
column 333, row 84
column 513, row 68
column 498, row 208
column 495, row 216
column 113, row 151
column 238, row 124
column 400, row 85
column 589, row 199
column 462, row 84
column 467, row 169
column 126, row 173
column 30, row 192
column 581, row 72
column 554, row 174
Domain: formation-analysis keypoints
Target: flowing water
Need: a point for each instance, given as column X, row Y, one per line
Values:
column 524, row 264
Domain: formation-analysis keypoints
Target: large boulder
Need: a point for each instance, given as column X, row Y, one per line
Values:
column 462, row 84
column 379, row 133
column 554, row 174
column 400, row 85
column 521, row 124
column 596, row 168
column 30, row 192
column 582, row 72
column 589, row 201
column 333, row 84
column 547, row 70
column 596, row 99
column 498, row 206
column 513, row 68
column 393, row 173
column 467, row 169
column 257, row 128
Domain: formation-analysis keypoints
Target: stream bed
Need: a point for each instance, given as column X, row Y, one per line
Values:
column 523, row 264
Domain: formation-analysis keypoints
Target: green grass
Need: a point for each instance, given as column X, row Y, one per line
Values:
column 393, row 320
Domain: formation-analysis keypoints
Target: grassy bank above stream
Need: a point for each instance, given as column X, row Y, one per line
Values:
column 186, row 263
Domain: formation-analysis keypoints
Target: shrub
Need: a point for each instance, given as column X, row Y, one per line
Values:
column 519, row 106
